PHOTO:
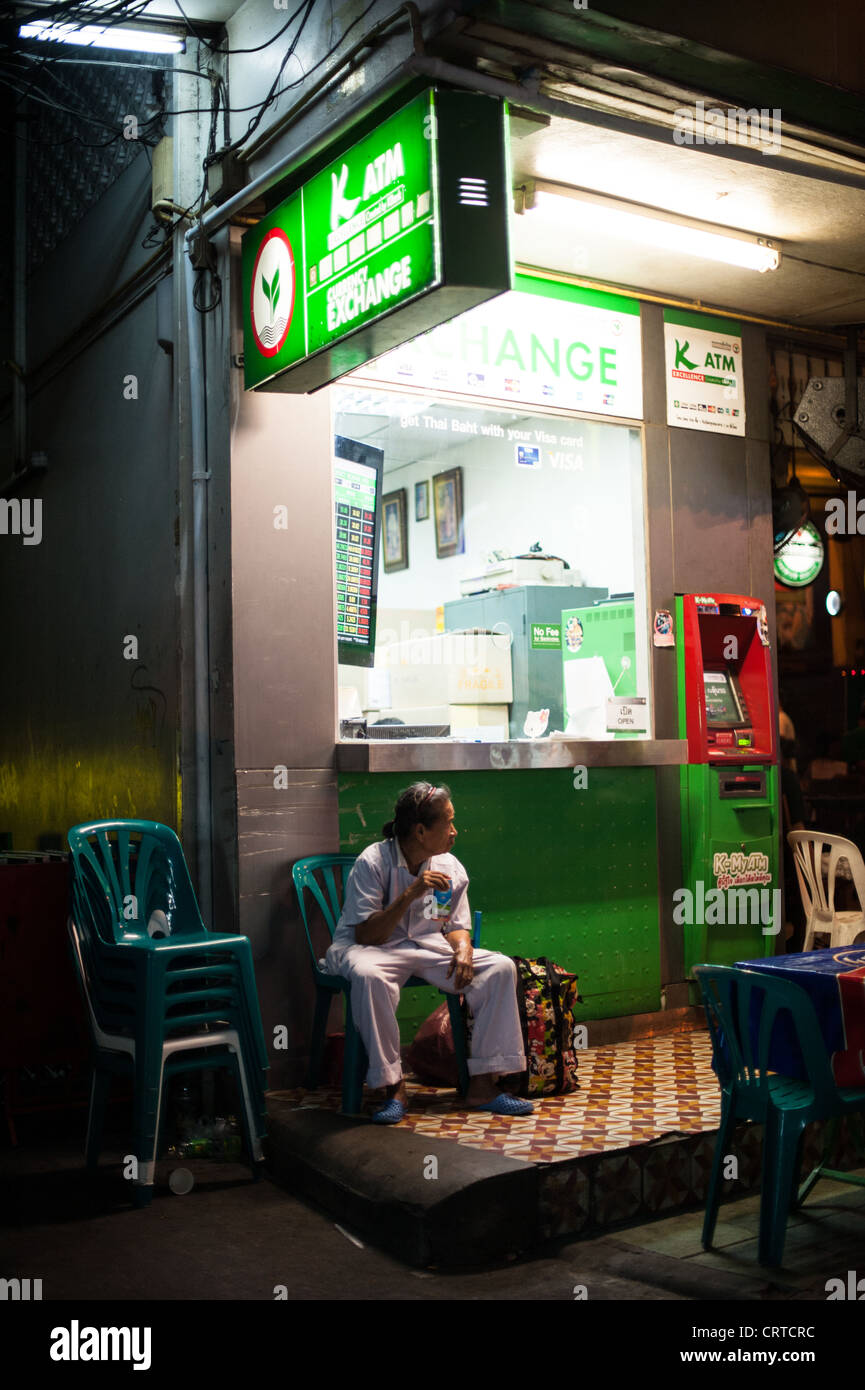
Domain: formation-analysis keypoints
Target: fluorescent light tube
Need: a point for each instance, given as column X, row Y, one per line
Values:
column 652, row 227
column 91, row 36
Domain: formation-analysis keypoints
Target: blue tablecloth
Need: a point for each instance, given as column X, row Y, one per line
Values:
column 835, row 983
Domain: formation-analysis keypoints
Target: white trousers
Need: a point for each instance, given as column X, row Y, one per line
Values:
column 377, row 975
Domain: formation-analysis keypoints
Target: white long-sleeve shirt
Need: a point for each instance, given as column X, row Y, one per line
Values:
column 379, row 875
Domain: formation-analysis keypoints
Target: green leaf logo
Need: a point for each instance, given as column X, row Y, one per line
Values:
column 271, row 291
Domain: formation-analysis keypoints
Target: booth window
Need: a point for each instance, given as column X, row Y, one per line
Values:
column 509, row 597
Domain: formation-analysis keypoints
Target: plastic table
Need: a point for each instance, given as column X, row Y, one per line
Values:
column 835, row 982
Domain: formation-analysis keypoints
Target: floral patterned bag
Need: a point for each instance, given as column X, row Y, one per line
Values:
column 546, row 995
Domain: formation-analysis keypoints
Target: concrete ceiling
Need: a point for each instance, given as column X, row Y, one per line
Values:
column 214, row 11
column 817, row 225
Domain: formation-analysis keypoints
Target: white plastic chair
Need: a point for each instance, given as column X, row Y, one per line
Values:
column 817, row 885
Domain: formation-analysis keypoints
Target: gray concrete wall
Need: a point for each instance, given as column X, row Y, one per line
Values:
column 88, row 729
column 284, row 643
column 709, row 504
column 329, row 25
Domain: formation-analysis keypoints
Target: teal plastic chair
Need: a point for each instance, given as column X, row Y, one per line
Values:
column 741, row 1008
column 163, row 994
column 325, row 876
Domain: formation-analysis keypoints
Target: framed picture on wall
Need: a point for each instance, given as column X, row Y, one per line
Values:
column 448, row 507
column 394, row 531
column 421, row 501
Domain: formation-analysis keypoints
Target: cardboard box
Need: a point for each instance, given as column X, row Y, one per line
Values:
column 486, row 723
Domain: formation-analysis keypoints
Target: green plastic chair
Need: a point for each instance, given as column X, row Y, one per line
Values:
column 741, row 1008
column 131, row 886
column 325, row 876
column 163, row 994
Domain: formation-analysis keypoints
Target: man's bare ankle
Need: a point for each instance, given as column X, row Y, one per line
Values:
column 482, row 1089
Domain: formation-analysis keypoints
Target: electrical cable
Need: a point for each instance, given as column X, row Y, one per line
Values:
column 54, row 105
column 273, row 93
column 261, row 106
column 118, row 13
column 231, row 52
column 126, row 9
column 61, row 81
column 289, row 86
column 88, row 14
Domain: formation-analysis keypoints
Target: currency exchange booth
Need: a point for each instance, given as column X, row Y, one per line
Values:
column 472, row 599
column 730, row 901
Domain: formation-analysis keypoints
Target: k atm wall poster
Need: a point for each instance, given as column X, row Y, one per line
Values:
column 357, row 475
column 729, row 787
column 704, row 372
column 399, row 233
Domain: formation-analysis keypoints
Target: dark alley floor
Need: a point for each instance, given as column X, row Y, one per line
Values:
column 232, row 1239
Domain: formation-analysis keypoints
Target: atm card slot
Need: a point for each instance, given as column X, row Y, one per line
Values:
column 742, row 784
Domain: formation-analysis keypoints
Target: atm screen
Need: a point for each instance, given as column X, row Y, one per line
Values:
column 722, row 704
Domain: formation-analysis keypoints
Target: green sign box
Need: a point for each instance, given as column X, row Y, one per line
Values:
column 546, row 636
column 401, row 232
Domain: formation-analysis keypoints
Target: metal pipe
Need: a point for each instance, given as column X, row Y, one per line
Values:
column 200, row 596
column 437, row 70
column 699, row 306
column 19, row 341
column 217, row 217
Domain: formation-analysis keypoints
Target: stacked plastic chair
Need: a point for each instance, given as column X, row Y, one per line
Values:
column 742, row 1008
column 325, row 876
column 163, row 994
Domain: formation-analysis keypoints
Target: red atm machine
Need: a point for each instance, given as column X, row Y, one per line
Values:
column 729, row 787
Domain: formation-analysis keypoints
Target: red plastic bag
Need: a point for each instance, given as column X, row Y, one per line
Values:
column 432, row 1055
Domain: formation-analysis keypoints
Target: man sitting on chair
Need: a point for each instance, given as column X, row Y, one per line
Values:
column 394, row 926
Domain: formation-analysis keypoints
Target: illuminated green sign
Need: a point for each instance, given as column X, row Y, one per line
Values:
column 799, row 562
column 402, row 231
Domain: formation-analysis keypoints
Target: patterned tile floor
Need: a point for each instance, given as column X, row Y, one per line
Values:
column 630, row 1093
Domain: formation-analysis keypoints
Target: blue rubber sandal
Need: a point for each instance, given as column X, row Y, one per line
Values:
column 507, row 1105
column 390, row 1114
